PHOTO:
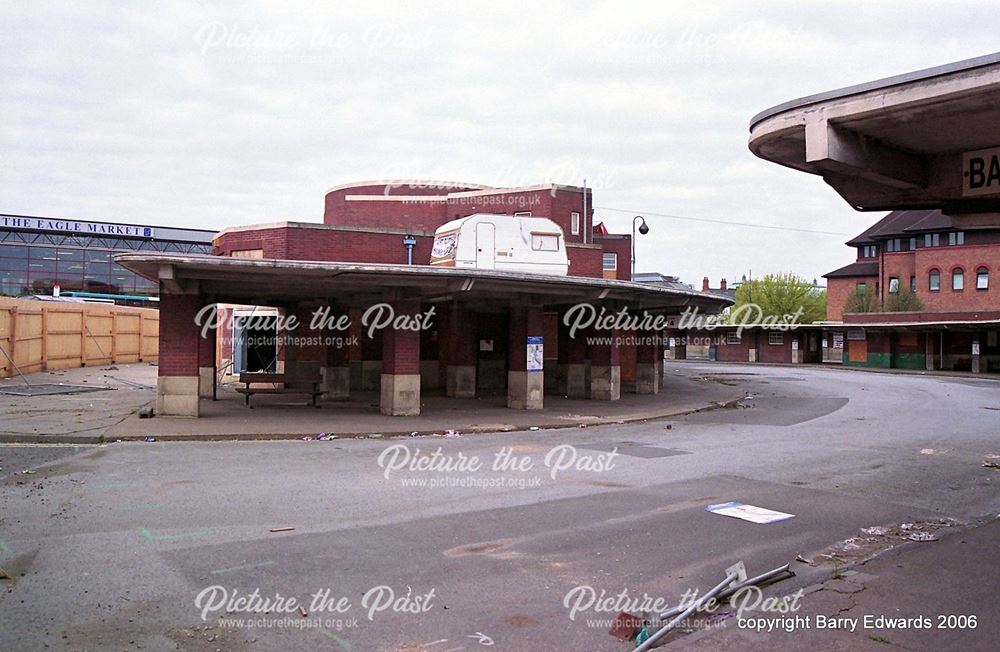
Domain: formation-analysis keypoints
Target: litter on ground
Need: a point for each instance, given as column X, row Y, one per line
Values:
column 750, row 513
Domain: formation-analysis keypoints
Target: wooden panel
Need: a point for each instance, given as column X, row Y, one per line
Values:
column 40, row 336
column 857, row 351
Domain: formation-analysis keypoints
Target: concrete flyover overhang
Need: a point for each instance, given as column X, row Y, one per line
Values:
column 905, row 142
column 269, row 281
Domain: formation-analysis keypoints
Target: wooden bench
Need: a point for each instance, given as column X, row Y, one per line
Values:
column 298, row 383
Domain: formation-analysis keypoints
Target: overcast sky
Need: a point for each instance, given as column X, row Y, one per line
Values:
column 210, row 114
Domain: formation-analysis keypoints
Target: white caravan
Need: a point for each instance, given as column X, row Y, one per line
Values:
column 502, row 242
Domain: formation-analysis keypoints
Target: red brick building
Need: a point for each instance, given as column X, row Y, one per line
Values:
column 952, row 269
column 364, row 222
column 491, row 329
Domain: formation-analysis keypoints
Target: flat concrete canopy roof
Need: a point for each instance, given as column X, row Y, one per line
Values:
column 895, row 143
column 260, row 281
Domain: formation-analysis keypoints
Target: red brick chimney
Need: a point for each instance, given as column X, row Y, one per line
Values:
column 722, row 285
column 704, row 284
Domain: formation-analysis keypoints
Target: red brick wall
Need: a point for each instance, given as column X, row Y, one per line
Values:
column 401, row 348
column 839, row 289
column 584, row 261
column 776, row 352
column 524, row 323
column 739, row 352
column 621, row 245
column 179, row 335
column 304, row 243
column 970, row 258
column 558, row 205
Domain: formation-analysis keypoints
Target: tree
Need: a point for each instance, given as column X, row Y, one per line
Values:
column 861, row 300
column 905, row 300
column 778, row 295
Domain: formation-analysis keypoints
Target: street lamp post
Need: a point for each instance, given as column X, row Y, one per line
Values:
column 643, row 229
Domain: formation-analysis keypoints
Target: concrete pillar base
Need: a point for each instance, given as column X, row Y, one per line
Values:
column 206, row 380
column 400, row 395
column 525, row 390
column 337, row 383
column 576, row 381
column 177, row 396
column 647, row 379
column 460, row 380
column 371, row 373
column 605, row 383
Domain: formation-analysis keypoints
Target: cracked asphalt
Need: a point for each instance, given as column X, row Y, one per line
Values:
column 110, row 547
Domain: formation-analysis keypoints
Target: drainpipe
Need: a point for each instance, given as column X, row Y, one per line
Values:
column 583, row 220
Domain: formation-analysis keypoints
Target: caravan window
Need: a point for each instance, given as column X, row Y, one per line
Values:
column 544, row 242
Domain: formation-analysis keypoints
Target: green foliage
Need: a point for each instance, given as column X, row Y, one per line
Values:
column 778, row 295
column 862, row 301
column 906, row 300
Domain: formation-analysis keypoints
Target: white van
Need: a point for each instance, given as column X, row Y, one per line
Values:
column 506, row 243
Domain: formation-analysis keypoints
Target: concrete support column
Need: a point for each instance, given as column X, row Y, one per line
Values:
column 177, row 382
column 337, row 366
column 206, row 360
column 977, row 365
column 400, row 378
column 526, row 374
column 647, row 377
column 460, row 351
column 929, row 351
column 605, row 367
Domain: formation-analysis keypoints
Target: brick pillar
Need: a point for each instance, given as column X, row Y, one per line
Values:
column 400, row 378
column 576, row 365
column 177, row 384
column 206, row 359
column 605, row 368
column 337, row 366
column 646, row 376
column 372, row 351
column 660, row 344
column 526, row 386
column 459, row 346
column 627, row 362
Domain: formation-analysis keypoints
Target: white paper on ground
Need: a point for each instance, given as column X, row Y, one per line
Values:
column 750, row 513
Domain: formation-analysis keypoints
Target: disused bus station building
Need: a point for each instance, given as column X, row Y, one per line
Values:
column 924, row 145
column 490, row 331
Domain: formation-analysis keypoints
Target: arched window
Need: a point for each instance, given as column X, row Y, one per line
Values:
column 982, row 279
column 934, row 280
column 958, row 279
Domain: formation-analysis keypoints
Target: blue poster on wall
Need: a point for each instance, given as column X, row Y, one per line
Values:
column 536, row 354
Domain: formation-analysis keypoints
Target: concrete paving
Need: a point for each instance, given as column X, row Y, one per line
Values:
column 110, row 547
column 113, row 413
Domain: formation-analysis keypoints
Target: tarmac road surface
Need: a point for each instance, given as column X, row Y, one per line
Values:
column 109, row 548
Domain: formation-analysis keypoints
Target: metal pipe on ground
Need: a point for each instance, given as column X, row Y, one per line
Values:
column 760, row 579
column 651, row 641
column 724, row 589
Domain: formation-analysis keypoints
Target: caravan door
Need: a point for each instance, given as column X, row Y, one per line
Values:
column 485, row 245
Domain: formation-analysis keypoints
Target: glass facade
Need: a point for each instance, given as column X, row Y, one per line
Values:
column 32, row 262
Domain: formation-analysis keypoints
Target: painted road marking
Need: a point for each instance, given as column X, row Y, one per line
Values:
column 218, row 571
column 341, row 642
column 170, row 537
